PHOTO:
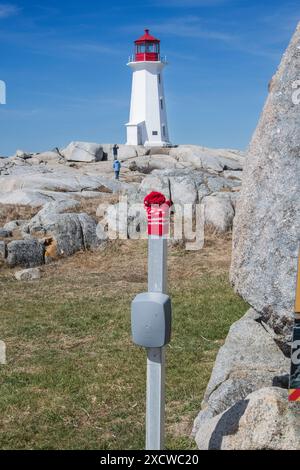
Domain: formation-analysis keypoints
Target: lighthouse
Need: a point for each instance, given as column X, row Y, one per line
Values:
column 148, row 116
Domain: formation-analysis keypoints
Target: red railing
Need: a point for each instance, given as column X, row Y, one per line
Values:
column 147, row 57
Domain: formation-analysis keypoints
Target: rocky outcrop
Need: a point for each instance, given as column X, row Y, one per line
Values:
column 4, row 233
column 125, row 152
column 219, row 211
column 40, row 178
column 3, row 252
column 55, row 181
column 15, row 225
column 55, row 207
column 64, row 233
column 53, row 233
column 250, row 359
column 243, row 407
column 217, row 193
column 60, row 181
column 264, row 420
column 187, row 185
column 185, row 188
column 31, row 274
column 202, row 158
column 46, row 158
column 267, row 225
column 83, row 152
column 26, row 253
column 23, row 155
column 38, row 185
column 147, row 164
column 33, row 199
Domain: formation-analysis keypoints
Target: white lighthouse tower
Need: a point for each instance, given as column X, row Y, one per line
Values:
column 148, row 116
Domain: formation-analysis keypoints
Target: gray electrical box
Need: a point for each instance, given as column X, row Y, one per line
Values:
column 151, row 315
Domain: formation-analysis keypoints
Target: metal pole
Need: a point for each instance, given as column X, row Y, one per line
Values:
column 155, row 406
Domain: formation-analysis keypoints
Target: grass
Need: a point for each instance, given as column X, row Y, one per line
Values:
column 74, row 380
column 10, row 212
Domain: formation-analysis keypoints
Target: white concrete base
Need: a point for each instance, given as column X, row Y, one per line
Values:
column 157, row 144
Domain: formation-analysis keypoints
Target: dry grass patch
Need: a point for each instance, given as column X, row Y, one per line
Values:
column 90, row 205
column 74, row 380
column 10, row 212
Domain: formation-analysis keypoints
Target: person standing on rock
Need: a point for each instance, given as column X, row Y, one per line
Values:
column 117, row 164
column 115, row 151
column 117, row 168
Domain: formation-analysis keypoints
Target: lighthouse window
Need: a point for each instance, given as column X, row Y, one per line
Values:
column 162, row 103
column 147, row 48
column 159, row 78
column 140, row 48
column 154, row 133
column 150, row 48
column 164, row 130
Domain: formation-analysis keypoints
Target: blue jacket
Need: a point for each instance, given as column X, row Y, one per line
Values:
column 116, row 165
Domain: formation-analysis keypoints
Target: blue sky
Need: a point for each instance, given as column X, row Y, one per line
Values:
column 64, row 63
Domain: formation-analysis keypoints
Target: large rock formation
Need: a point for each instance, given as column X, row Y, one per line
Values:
column 83, row 152
column 26, row 253
column 125, row 152
column 219, row 211
column 51, row 234
column 217, row 193
column 249, row 360
column 57, row 181
column 263, row 272
column 203, row 158
column 64, row 233
column 264, row 420
column 35, row 184
column 267, row 225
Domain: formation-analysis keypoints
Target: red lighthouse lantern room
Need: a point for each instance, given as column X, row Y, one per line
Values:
column 147, row 48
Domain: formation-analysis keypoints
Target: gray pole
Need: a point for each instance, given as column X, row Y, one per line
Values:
column 155, row 413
